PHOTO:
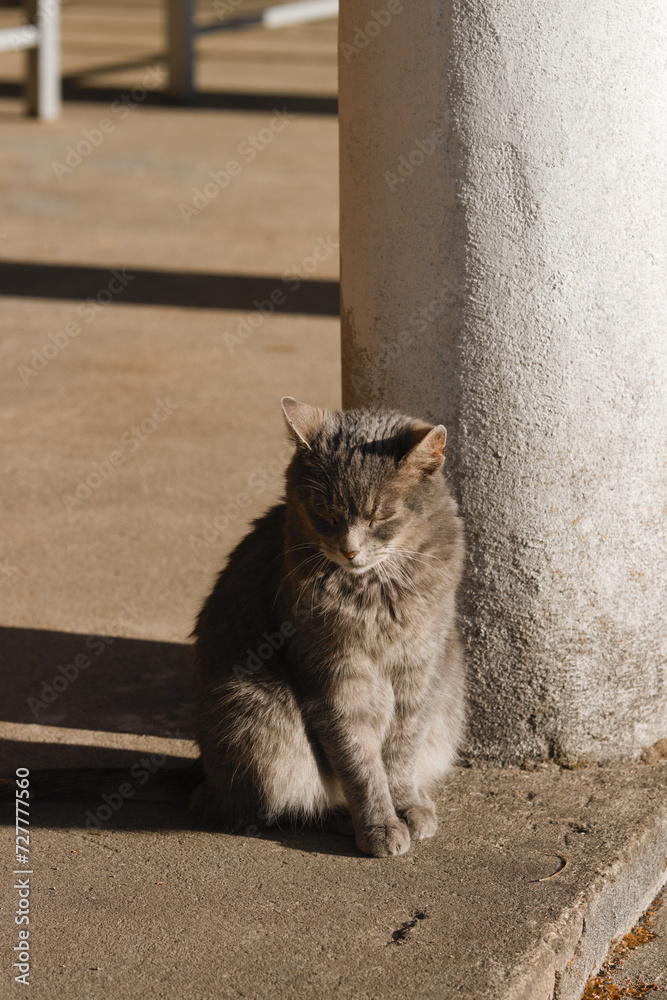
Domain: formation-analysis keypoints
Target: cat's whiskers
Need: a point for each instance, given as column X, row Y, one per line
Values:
column 314, row 589
column 309, row 578
column 293, row 548
column 420, row 554
column 314, row 486
column 301, row 545
column 394, row 577
column 391, row 576
column 291, row 573
column 383, row 575
column 400, row 574
column 401, row 570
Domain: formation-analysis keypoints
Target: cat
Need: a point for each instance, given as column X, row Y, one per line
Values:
column 328, row 665
column 329, row 672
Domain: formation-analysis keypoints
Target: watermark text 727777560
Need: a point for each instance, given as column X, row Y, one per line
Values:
column 22, row 885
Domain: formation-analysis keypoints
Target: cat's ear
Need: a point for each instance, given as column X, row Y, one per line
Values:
column 302, row 421
column 428, row 448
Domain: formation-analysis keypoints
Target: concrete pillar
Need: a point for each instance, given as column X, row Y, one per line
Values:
column 503, row 254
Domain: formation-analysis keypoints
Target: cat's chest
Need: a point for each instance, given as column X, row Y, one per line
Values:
column 381, row 617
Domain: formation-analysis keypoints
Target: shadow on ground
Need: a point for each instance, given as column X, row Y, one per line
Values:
column 170, row 288
column 145, row 774
column 96, row 682
column 73, row 90
column 127, row 686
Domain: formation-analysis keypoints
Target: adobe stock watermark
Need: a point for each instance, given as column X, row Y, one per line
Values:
column 407, row 165
column 257, row 829
column 140, row 773
column 129, row 442
column 261, row 479
column 47, row 10
column 273, row 641
column 363, row 35
column 390, row 350
column 419, row 321
column 92, row 138
column 22, row 856
column 247, row 151
column 292, row 280
column 87, row 311
column 223, row 8
column 67, row 673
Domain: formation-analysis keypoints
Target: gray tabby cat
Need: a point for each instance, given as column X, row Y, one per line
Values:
column 328, row 665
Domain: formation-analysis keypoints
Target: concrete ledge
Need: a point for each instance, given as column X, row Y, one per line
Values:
column 574, row 944
column 145, row 907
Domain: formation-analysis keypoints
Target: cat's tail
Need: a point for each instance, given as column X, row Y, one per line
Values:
column 139, row 783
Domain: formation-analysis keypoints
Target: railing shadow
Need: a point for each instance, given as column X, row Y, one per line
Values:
column 96, row 682
column 301, row 104
column 143, row 286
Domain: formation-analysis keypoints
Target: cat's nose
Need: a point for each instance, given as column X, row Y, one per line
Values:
column 350, row 555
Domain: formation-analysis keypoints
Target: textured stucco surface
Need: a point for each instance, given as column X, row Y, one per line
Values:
column 512, row 285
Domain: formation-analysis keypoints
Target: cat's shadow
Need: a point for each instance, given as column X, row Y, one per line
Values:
column 128, row 686
column 92, row 812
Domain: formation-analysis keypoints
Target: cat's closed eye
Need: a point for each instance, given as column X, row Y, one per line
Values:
column 380, row 518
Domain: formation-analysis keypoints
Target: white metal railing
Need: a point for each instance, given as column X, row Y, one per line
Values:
column 40, row 38
column 182, row 30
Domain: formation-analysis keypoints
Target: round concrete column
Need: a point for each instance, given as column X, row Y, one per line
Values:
column 503, row 248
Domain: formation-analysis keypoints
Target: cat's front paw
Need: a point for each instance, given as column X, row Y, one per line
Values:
column 384, row 841
column 421, row 819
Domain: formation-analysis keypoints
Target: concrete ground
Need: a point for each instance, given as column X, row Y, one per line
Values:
column 142, row 372
column 182, row 326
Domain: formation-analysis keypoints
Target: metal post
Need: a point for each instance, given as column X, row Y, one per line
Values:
column 180, row 42
column 43, row 87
